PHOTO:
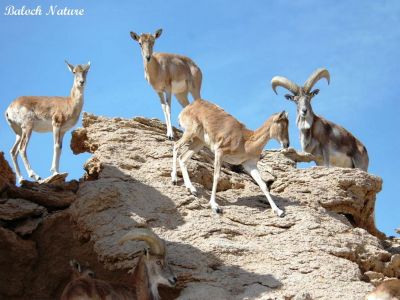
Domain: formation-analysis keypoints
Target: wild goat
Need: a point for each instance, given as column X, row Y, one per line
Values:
column 168, row 74
column 331, row 144
column 387, row 290
column 206, row 124
column 151, row 270
column 43, row 114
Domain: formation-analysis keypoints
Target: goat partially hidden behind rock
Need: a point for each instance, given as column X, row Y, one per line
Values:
column 331, row 144
column 388, row 290
column 151, row 270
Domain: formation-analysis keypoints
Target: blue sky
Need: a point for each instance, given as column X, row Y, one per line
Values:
column 239, row 45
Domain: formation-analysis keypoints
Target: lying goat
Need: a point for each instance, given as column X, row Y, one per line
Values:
column 151, row 270
column 331, row 144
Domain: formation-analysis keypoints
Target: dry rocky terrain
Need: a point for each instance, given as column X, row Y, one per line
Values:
column 326, row 247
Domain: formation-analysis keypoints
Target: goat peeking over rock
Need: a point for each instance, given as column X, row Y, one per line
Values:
column 151, row 270
column 329, row 143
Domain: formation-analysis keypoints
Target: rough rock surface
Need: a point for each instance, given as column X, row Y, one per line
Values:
column 7, row 176
column 327, row 246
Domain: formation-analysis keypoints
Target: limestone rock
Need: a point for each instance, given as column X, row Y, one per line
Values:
column 7, row 175
column 327, row 246
column 17, row 257
column 14, row 209
column 50, row 195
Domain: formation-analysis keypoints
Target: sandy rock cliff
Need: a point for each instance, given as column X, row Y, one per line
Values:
column 327, row 246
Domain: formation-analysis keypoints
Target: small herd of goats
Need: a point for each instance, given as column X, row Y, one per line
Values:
column 204, row 124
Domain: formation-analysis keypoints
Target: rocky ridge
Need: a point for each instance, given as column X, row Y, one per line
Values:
column 326, row 247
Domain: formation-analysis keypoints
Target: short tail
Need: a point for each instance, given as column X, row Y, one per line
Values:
column 361, row 159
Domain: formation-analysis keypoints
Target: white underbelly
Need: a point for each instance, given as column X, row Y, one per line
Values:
column 179, row 86
column 42, row 125
column 338, row 159
column 234, row 159
column 47, row 125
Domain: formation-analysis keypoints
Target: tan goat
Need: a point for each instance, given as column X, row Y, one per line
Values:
column 168, row 74
column 43, row 114
column 387, row 290
column 329, row 143
column 151, row 270
column 206, row 124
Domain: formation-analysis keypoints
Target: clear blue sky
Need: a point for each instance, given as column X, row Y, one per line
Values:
column 239, row 45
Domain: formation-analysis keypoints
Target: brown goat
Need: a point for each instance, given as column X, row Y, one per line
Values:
column 206, row 124
column 151, row 270
column 168, row 74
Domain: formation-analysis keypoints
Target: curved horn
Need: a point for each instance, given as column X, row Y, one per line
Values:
column 314, row 77
column 157, row 246
column 286, row 83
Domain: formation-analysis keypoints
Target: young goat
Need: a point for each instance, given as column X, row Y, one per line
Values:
column 43, row 114
column 331, row 144
column 151, row 270
column 168, row 74
column 208, row 125
column 387, row 290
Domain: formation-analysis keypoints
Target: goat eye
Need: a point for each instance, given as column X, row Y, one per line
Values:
column 158, row 262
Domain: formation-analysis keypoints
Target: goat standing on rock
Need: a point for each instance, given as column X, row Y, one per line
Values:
column 206, row 124
column 151, row 270
column 329, row 143
column 168, row 74
column 43, row 114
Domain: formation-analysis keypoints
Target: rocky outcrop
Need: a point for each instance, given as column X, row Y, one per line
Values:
column 327, row 246
column 7, row 176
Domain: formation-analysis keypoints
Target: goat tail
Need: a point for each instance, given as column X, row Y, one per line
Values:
column 361, row 159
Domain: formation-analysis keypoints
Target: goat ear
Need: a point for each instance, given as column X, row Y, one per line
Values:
column 286, row 115
column 75, row 265
column 158, row 33
column 289, row 97
column 281, row 115
column 70, row 67
column 87, row 66
column 146, row 252
column 315, row 92
column 135, row 36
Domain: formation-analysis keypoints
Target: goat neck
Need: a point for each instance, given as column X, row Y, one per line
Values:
column 259, row 138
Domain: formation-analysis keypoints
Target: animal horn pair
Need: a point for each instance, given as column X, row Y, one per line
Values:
column 294, row 88
column 156, row 245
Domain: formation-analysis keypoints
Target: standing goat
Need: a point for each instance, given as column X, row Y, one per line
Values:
column 331, row 144
column 151, row 270
column 206, row 124
column 43, row 114
column 168, row 74
column 387, row 290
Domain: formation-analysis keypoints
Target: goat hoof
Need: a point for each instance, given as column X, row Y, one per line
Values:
column 171, row 138
column 194, row 192
column 217, row 210
column 35, row 177
column 269, row 183
column 174, row 181
column 280, row 213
